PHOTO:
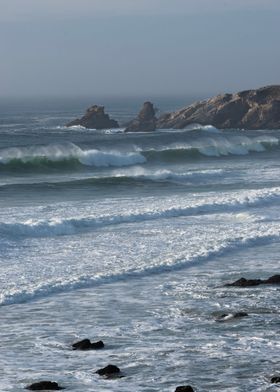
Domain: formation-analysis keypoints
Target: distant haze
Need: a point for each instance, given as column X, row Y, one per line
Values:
column 137, row 47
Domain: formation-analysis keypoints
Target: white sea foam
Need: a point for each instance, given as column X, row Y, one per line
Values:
column 262, row 236
column 69, row 226
column 206, row 128
column 165, row 174
column 221, row 146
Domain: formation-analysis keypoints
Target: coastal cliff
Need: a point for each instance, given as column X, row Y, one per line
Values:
column 251, row 109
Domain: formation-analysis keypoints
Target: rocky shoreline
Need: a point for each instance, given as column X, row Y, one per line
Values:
column 113, row 372
column 249, row 110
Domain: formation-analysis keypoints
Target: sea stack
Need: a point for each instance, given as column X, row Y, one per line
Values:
column 94, row 118
column 145, row 121
column 251, row 109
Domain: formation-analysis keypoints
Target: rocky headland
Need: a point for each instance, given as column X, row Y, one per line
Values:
column 145, row 121
column 95, row 118
column 251, row 109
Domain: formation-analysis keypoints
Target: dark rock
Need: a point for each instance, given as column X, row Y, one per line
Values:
column 108, row 370
column 240, row 314
column 95, row 118
column 87, row 345
column 275, row 279
column 184, row 388
column 44, row 386
column 251, row 109
column 245, row 282
column 275, row 380
column 231, row 316
column 145, row 121
column 242, row 282
column 97, row 345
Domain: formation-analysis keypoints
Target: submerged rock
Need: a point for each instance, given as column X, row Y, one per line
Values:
column 109, row 370
column 275, row 380
column 242, row 282
column 145, row 121
column 44, row 386
column 231, row 316
column 94, row 118
column 87, row 345
column 251, row 109
column 184, row 388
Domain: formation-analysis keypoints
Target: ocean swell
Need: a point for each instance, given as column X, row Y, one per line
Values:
column 67, row 155
column 71, row 156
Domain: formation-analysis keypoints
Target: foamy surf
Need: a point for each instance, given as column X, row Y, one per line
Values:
column 262, row 236
column 71, row 226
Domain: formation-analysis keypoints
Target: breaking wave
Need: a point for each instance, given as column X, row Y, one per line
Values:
column 70, row 226
column 69, row 155
column 52, row 287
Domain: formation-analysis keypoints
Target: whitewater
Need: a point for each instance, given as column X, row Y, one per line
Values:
column 129, row 239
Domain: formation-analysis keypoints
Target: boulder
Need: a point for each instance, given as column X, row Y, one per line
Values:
column 109, row 370
column 251, row 109
column 275, row 380
column 275, row 279
column 44, row 386
column 94, row 118
column 184, row 388
column 87, row 345
column 145, row 121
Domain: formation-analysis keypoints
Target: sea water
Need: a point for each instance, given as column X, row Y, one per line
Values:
column 129, row 239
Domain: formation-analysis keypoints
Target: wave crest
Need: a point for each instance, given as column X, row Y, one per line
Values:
column 68, row 154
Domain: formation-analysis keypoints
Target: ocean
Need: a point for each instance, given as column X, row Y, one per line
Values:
column 129, row 239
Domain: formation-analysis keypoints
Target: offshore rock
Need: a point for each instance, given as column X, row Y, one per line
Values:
column 275, row 380
column 95, row 118
column 251, row 109
column 87, row 345
column 231, row 316
column 108, row 371
column 184, row 388
column 242, row 282
column 145, row 121
column 44, row 386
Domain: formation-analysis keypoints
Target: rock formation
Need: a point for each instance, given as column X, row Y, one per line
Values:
column 231, row 316
column 243, row 282
column 95, row 118
column 251, row 109
column 44, row 385
column 145, row 121
column 184, row 388
column 87, row 345
column 109, row 371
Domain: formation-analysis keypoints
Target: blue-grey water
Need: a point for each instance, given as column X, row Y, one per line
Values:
column 129, row 238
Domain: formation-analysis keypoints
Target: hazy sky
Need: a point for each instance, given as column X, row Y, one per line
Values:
column 137, row 47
